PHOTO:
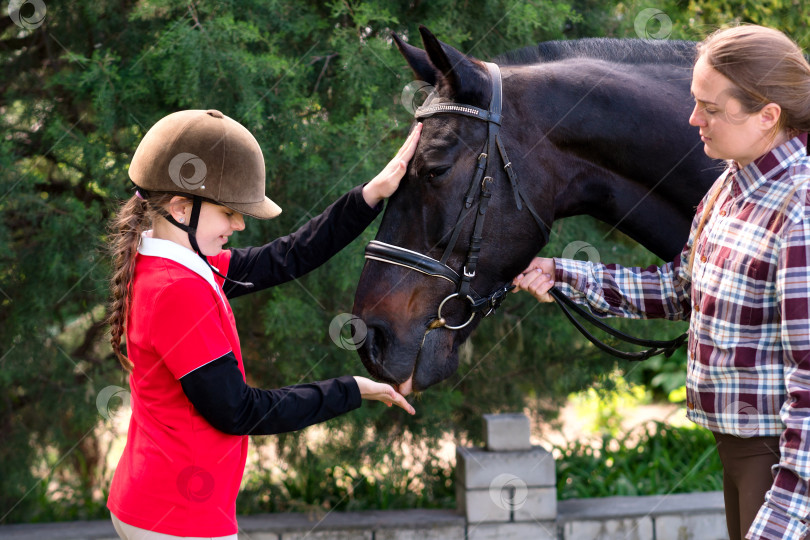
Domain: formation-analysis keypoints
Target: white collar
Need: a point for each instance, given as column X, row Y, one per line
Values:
column 156, row 247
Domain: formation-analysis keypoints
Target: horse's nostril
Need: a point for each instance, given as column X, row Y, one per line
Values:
column 376, row 355
column 375, row 340
column 371, row 351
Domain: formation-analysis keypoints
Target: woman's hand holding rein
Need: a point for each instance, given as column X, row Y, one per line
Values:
column 537, row 279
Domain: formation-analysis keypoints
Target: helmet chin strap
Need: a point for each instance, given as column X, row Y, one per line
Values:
column 191, row 230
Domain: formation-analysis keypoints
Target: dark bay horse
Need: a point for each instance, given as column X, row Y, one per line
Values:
column 594, row 126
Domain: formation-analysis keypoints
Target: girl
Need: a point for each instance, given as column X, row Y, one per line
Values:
column 196, row 174
column 742, row 280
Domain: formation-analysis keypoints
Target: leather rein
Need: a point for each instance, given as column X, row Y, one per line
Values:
column 482, row 184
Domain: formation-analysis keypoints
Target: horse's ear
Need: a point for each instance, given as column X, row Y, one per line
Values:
column 417, row 59
column 466, row 77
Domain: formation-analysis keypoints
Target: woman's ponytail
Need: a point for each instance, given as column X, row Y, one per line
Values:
column 707, row 212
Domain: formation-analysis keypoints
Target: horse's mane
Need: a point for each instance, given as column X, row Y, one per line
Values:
column 626, row 51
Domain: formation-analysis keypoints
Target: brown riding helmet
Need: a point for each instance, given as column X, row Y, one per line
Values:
column 204, row 154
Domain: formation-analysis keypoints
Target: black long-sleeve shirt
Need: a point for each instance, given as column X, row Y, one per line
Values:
column 218, row 391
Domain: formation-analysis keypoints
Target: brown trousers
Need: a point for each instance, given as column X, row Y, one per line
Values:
column 746, row 477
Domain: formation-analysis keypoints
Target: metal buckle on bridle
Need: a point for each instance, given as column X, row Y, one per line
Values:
column 489, row 303
column 494, row 300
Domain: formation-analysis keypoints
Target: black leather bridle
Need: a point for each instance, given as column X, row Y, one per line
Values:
column 482, row 182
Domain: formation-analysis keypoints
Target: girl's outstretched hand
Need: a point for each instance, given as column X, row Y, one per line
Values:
column 386, row 183
column 382, row 392
column 537, row 279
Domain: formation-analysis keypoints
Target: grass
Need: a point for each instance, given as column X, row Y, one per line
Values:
column 653, row 459
column 320, row 483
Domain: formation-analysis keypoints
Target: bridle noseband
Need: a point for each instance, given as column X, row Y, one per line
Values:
column 482, row 182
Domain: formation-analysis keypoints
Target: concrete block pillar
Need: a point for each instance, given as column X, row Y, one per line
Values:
column 507, row 485
column 507, row 431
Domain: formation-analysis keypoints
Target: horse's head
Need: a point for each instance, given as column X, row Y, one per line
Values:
column 411, row 332
column 594, row 127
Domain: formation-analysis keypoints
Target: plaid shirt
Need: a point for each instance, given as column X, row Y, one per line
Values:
column 747, row 299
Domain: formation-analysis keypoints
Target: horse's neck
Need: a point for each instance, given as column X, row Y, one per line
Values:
column 614, row 143
column 649, row 218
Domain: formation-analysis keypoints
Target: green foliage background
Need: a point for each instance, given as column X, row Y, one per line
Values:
column 318, row 83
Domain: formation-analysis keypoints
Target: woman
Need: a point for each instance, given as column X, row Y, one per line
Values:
column 196, row 173
column 742, row 280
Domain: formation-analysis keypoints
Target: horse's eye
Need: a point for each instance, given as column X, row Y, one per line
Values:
column 437, row 172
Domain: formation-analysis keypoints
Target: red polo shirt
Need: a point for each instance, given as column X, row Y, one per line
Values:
column 178, row 475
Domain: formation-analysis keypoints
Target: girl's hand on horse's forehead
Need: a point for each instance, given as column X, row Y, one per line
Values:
column 386, row 183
